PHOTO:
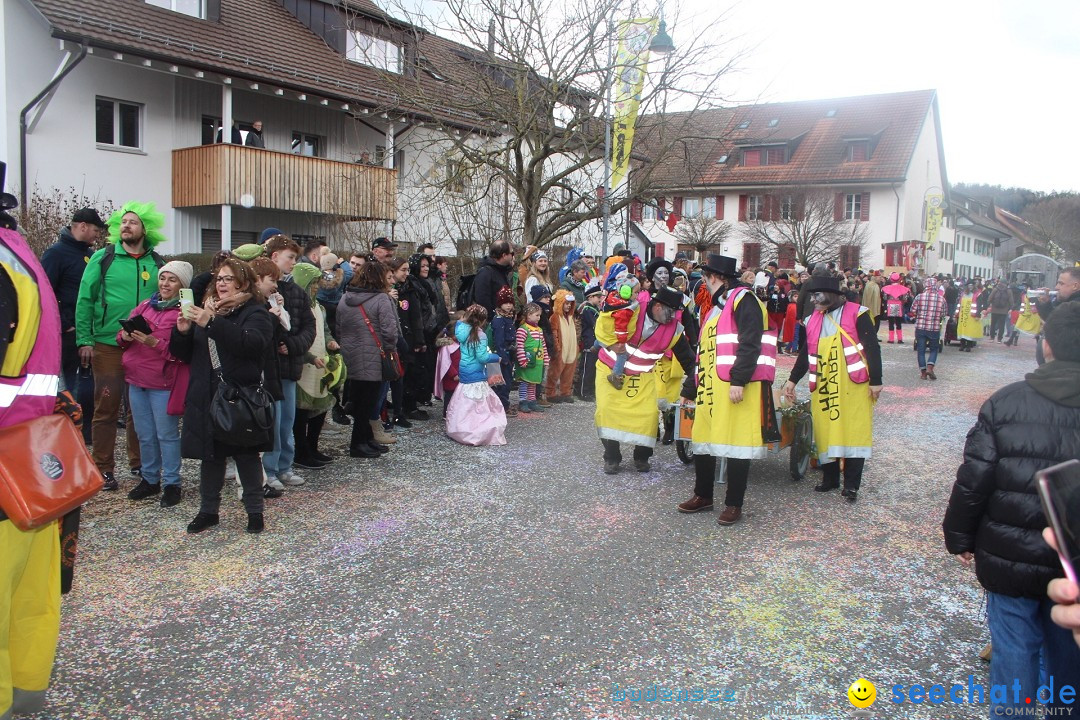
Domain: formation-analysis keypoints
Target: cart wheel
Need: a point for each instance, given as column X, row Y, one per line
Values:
column 799, row 454
column 684, row 450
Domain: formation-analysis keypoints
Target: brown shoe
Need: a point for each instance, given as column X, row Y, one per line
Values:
column 730, row 516
column 923, row 375
column 543, row 403
column 930, row 372
column 696, row 504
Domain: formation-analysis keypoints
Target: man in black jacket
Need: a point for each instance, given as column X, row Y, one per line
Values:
column 494, row 273
column 995, row 518
column 64, row 262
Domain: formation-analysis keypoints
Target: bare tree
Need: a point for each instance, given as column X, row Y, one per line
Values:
column 1056, row 222
column 704, row 233
column 804, row 222
column 520, row 101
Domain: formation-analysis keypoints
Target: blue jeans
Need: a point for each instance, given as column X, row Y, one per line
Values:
column 279, row 460
column 376, row 413
column 924, row 338
column 1021, row 629
column 796, row 339
column 159, row 435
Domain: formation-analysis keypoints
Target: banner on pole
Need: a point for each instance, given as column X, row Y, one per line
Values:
column 631, row 62
column 933, row 218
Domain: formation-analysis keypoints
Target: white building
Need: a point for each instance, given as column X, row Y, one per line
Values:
column 880, row 157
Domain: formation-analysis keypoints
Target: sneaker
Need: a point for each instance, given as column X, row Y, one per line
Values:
column 309, row 463
column 323, row 457
column 418, row 415
column 273, row 482
column 291, row 479
column 402, row 423
column 143, row 490
column 849, row 495
column 136, row 472
column 269, row 492
column 201, row 522
column 511, row 412
column 170, row 495
column 110, row 482
column 338, row 415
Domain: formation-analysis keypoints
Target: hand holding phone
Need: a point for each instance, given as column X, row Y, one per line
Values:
column 1059, row 490
column 187, row 301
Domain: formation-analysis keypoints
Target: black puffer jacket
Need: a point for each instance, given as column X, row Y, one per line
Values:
column 994, row 510
column 410, row 313
column 299, row 338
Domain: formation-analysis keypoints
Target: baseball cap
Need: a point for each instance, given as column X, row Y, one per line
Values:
column 88, row 215
column 382, row 242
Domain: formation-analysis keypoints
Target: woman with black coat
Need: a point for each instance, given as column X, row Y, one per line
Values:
column 233, row 317
column 411, row 316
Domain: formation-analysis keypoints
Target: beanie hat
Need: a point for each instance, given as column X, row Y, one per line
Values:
column 180, row 269
column 540, row 291
column 504, row 296
column 329, row 261
column 304, row 273
column 269, row 233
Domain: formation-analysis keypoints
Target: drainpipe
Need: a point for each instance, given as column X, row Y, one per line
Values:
column 896, row 228
column 30, row 106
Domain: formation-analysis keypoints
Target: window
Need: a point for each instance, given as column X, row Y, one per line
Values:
column 118, row 123
column 787, row 211
column 774, row 122
column 858, row 151
column 853, row 206
column 210, row 127
column 708, row 207
column 373, row 51
column 648, row 211
column 306, row 145
column 194, row 8
column 399, row 165
column 744, row 124
column 755, row 207
column 753, row 157
column 691, row 207
column 455, row 176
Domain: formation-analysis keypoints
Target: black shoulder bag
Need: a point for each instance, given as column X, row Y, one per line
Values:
column 241, row 415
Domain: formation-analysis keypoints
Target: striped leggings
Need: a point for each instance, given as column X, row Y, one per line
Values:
column 526, row 392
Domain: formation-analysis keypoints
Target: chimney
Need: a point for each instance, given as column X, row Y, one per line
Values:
column 491, row 36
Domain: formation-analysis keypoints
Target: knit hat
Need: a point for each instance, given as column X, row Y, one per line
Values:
column 305, row 273
column 329, row 261
column 180, row 269
column 593, row 288
column 540, row 291
column 269, row 233
column 504, row 296
column 248, row 252
column 539, row 254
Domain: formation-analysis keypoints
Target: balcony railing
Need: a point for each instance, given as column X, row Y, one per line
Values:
column 253, row 177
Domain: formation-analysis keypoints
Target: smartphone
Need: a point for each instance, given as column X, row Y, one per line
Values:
column 1059, row 490
column 137, row 323
column 187, row 300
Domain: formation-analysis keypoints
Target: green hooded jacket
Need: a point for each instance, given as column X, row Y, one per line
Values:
column 130, row 281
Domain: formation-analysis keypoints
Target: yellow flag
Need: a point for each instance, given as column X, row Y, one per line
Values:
column 631, row 63
column 933, row 218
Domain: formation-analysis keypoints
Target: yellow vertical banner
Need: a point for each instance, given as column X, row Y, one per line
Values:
column 631, row 62
column 933, row 218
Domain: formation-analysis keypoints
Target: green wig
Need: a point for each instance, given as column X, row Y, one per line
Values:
column 152, row 222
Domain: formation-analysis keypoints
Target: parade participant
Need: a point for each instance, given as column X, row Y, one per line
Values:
column 736, row 368
column 669, row 374
column 503, row 337
column 613, row 327
column 995, row 517
column 1027, row 321
column 475, row 415
column 532, row 358
column 566, row 334
column 30, row 561
column 630, row 414
column 844, row 362
column 895, row 294
column 590, row 313
column 929, row 310
column 969, row 326
column 871, row 299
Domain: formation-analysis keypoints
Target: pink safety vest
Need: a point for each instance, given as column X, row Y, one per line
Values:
column 643, row 355
column 853, row 353
column 33, row 393
column 727, row 340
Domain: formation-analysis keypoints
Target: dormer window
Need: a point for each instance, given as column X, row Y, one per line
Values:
column 858, row 151
column 373, row 51
column 755, row 157
column 194, row 8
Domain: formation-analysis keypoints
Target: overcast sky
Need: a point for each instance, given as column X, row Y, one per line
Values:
column 1007, row 72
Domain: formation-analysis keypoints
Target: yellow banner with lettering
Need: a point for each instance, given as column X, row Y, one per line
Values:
column 631, row 62
column 933, row 218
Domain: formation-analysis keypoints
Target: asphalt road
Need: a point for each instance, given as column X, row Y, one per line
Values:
column 520, row 582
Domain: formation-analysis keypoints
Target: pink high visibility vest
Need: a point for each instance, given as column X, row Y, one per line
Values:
column 643, row 355
column 727, row 340
column 853, row 352
column 33, row 393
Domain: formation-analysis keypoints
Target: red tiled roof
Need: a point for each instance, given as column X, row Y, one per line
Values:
column 818, row 143
column 258, row 40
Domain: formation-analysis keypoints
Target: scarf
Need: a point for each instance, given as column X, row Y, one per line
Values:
column 230, row 304
column 158, row 304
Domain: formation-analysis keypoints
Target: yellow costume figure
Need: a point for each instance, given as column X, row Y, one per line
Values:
column 842, row 410
column 968, row 326
column 1029, row 321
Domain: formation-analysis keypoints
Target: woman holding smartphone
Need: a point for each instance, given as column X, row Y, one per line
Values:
column 152, row 372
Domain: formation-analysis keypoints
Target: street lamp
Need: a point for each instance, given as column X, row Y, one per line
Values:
column 661, row 44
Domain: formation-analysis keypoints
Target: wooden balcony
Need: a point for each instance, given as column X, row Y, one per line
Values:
column 225, row 174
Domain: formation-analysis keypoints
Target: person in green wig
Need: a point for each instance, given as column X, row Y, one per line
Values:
column 118, row 277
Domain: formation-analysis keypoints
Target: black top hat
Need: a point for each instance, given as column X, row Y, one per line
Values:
column 721, row 265
column 824, row 284
column 655, row 264
column 670, row 297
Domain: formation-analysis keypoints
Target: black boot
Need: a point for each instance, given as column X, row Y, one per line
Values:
column 669, row 427
column 340, row 417
column 363, row 451
column 255, row 523
column 201, row 522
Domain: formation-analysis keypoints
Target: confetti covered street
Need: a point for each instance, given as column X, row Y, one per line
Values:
column 444, row 581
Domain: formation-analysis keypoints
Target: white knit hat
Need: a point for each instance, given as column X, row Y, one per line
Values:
column 180, row 269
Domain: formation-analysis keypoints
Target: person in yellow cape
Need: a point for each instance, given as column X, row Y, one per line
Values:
column 969, row 326
column 630, row 413
column 843, row 359
column 1027, row 321
column 736, row 368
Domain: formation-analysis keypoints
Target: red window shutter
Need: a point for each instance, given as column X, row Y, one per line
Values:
column 719, row 207
column 742, row 207
column 838, row 207
column 865, row 207
column 752, row 254
column 676, row 206
column 751, row 158
column 858, row 152
column 635, row 211
column 661, row 204
column 772, row 208
column 774, row 156
column 786, row 256
column 658, row 250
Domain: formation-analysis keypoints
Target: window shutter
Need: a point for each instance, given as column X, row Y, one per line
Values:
column 772, row 208
column 213, row 10
column 838, row 207
column 865, row 216
column 661, row 204
column 719, row 207
column 786, row 256
column 774, row 156
column 742, row 207
column 676, row 206
column 751, row 158
column 658, row 250
column 751, row 254
column 635, row 211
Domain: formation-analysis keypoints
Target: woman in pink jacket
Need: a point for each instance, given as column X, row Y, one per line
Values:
column 151, row 373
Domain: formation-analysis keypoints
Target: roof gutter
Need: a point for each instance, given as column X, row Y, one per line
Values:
column 72, row 64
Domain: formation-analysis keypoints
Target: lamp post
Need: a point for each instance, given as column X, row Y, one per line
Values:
column 661, row 44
